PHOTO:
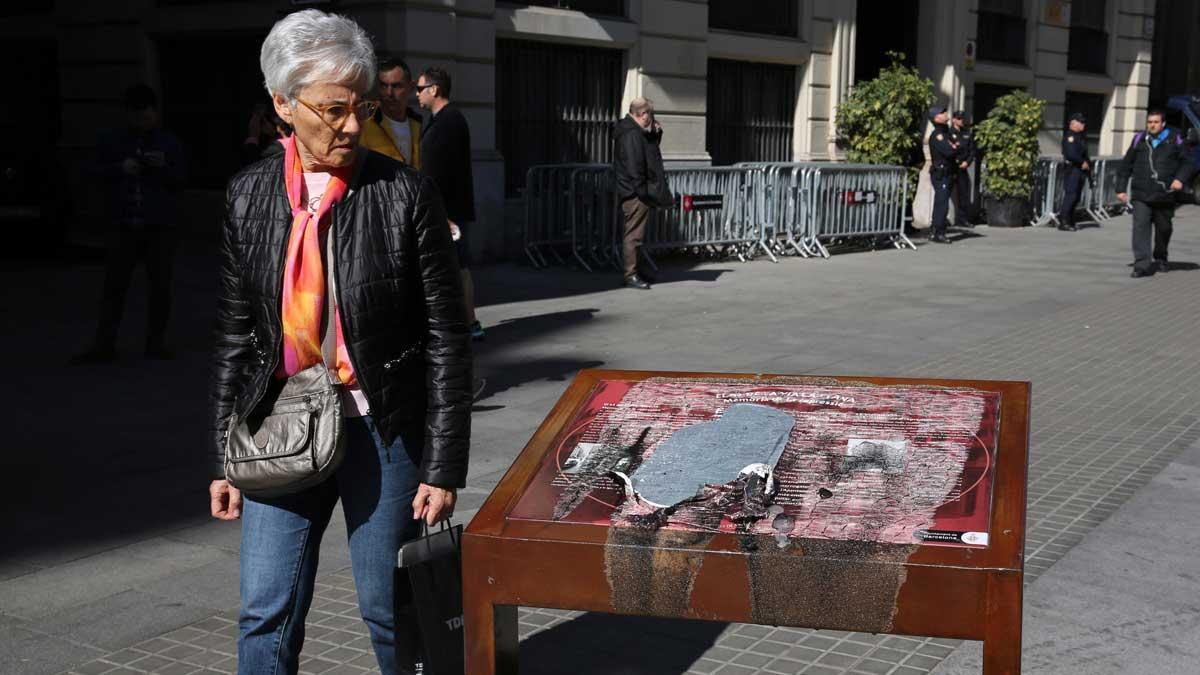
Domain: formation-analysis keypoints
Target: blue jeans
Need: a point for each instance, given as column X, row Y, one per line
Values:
column 281, row 539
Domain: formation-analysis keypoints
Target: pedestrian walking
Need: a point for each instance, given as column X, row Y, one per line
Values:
column 641, row 182
column 943, row 164
column 446, row 158
column 1079, row 167
column 395, row 130
column 351, row 274
column 963, row 138
column 1158, row 163
column 141, row 169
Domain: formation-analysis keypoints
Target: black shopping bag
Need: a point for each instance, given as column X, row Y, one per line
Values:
column 429, row 625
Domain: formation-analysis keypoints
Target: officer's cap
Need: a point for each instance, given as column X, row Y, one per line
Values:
column 1077, row 117
column 936, row 110
column 960, row 115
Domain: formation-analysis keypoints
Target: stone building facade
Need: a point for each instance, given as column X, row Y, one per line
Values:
column 542, row 81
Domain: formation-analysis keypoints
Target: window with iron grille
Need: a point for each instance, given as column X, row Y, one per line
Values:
column 770, row 17
column 1000, row 31
column 1087, row 50
column 751, row 108
column 554, row 104
column 1092, row 106
column 601, row 7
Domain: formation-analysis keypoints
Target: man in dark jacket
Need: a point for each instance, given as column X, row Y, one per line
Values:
column 964, row 155
column 446, row 158
column 1075, row 154
column 942, row 168
column 141, row 170
column 1158, row 163
column 641, row 180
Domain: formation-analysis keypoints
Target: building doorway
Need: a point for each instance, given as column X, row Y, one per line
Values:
column 207, row 101
column 883, row 27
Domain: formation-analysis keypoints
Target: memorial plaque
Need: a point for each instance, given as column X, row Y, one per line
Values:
column 895, row 465
column 869, row 504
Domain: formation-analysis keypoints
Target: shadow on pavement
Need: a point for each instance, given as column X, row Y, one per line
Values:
column 502, row 375
column 506, row 283
column 605, row 644
column 527, row 328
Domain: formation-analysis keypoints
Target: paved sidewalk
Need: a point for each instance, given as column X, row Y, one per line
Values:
column 111, row 565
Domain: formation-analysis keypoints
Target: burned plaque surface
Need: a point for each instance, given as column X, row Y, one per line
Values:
column 860, row 463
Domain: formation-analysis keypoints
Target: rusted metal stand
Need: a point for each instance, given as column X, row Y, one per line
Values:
column 936, row 591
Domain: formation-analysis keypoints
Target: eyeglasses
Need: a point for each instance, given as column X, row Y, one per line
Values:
column 336, row 114
column 423, row 87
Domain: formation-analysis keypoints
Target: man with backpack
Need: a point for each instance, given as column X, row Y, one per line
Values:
column 1158, row 162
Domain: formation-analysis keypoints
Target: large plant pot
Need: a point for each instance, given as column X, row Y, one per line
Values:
column 1007, row 212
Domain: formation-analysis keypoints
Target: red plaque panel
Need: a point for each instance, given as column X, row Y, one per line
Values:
column 889, row 464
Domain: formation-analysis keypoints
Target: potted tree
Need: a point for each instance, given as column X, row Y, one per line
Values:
column 882, row 120
column 1008, row 139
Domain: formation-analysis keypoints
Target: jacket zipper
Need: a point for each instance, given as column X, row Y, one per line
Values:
column 333, row 220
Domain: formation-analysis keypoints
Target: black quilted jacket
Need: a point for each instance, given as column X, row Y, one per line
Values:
column 400, row 297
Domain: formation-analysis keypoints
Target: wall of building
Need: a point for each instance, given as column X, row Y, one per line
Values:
column 104, row 47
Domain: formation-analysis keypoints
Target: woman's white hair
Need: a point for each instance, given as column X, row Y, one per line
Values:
column 312, row 47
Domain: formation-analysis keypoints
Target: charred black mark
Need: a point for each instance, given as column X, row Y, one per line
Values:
column 840, row 585
column 595, row 469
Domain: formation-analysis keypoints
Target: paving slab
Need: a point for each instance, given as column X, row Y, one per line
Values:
column 1123, row 600
column 1111, row 359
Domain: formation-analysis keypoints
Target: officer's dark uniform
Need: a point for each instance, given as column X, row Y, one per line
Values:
column 941, row 174
column 964, row 138
column 1075, row 154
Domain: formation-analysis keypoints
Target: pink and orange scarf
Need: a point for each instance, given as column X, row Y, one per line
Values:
column 304, row 274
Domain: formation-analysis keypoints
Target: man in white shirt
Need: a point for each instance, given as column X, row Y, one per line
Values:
column 395, row 130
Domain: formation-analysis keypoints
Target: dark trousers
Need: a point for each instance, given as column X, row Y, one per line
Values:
column 1145, row 218
column 636, row 214
column 155, row 247
column 941, row 201
column 1072, row 187
column 962, row 198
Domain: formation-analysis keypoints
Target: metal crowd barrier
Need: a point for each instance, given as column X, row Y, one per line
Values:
column 804, row 204
column 572, row 213
column 857, row 200
column 594, row 214
column 548, row 210
column 1098, row 197
column 1046, row 186
column 717, row 212
column 1102, row 199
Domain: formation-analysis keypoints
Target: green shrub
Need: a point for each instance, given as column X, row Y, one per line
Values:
column 1008, row 139
column 882, row 121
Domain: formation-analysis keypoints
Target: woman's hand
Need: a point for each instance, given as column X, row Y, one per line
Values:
column 434, row 504
column 226, row 500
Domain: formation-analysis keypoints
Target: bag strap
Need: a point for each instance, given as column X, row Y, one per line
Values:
column 445, row 525
column 329, row 312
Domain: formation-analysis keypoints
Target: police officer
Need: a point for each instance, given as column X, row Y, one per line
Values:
column 942, row 154
column 1075, row 154
column 962, row 136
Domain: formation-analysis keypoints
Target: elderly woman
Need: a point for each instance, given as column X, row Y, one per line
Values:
column 331, row 253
